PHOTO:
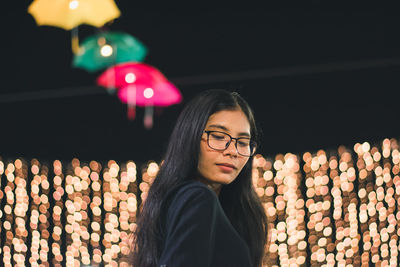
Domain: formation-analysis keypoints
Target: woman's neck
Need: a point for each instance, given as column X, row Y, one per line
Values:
column 216, row 187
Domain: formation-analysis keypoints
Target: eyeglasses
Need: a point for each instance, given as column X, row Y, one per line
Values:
column 220, row 141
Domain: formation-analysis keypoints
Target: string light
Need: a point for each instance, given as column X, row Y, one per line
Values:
column 106, row 50
column 57, row 210
column 96, row 212
column 148, row 175
column 73, row 4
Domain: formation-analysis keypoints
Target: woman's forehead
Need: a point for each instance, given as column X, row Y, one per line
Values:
column 231, row 121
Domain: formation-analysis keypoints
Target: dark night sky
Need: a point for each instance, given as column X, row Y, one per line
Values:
column 317, row 76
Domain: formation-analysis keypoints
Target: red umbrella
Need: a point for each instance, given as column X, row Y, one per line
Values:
column 127, row 73
column 140, row 84
column 163, row 94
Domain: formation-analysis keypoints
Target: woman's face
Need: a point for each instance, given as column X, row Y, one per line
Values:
column 215, row 167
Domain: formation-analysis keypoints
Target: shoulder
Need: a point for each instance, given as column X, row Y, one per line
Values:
column 191, row 206
column 189, row 197
column 189, row 191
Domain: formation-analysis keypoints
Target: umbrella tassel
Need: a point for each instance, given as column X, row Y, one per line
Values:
column 111, row 87
column 75, row 40
column 148, row 117
column 131, row 112
column 131, row 102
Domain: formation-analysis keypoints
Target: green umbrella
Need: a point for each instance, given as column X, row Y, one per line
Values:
column 108, row 48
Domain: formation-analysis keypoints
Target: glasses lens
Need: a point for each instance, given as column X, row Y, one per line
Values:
column 243, row 146
column 218, row 140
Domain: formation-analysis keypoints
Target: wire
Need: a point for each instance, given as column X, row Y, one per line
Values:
column 212, row 78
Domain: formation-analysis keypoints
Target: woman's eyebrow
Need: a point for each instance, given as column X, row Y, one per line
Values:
column 226, row 129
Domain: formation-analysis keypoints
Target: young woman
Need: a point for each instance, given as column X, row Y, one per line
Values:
column 201, row 209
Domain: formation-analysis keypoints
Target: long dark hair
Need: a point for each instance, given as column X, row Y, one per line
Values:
column 238, row 199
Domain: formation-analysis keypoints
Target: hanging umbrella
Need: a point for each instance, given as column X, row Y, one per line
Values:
column 161, row 94
column 140, row 84
column 108, row 48
column 126, row 73
column 68, row 14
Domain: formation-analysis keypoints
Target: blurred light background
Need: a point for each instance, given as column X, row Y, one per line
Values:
column 321, row 77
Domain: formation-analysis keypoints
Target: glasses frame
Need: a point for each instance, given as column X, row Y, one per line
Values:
column 253, row 144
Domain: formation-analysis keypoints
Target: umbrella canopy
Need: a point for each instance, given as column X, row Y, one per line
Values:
column 108, row 48
column 161, row 94
column 68, row 14
column 127, row 73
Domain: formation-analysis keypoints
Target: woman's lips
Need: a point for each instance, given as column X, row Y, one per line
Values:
column 226, row 167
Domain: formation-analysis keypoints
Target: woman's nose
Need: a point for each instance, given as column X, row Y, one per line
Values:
column 231, row 149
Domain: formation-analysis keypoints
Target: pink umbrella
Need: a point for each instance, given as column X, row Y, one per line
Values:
column 162, row 94
column 142, row 85
column 127, row 73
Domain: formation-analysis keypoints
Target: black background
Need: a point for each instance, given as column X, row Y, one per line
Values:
column 317, row 75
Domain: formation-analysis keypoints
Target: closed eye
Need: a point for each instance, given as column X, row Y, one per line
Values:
column 217, row 136
column 243, row 142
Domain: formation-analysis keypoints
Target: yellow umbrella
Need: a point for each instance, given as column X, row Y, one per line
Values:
column 68, row 14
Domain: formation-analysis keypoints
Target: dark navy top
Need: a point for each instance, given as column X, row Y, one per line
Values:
column 197, row 231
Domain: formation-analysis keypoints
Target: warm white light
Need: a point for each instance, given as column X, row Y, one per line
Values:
column 106, row 50
column 130, row 78
column 73, row 4
column 148, row 93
